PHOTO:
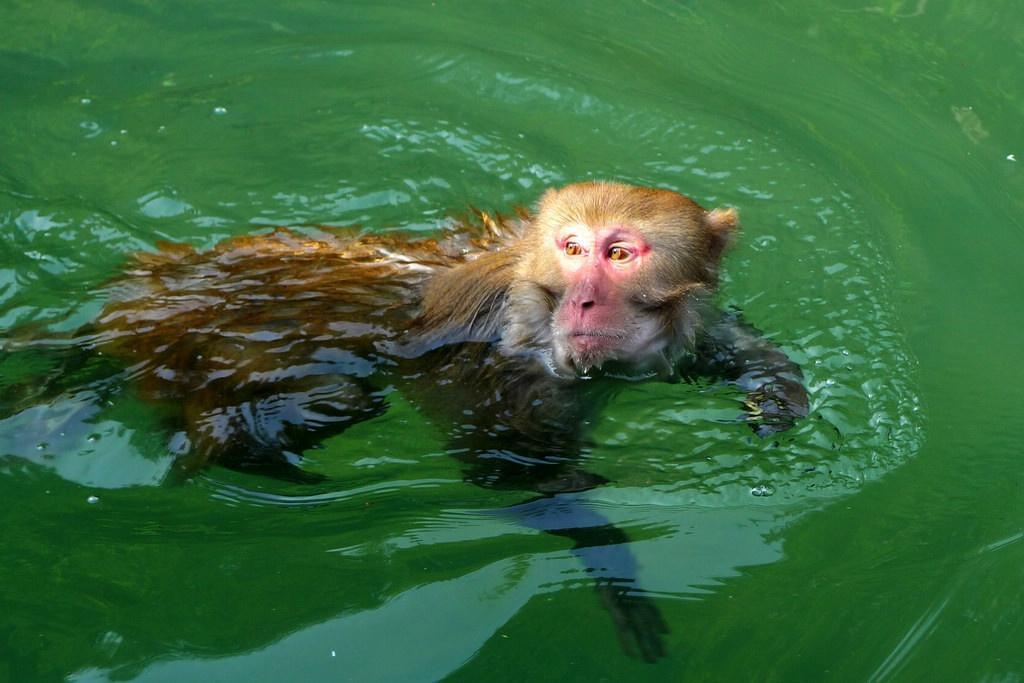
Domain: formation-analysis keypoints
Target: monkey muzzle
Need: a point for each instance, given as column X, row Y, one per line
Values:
column 584, row 350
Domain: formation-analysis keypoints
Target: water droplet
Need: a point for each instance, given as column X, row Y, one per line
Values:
column 220, row 111
column 762, row 490
column 111, row 641
column 92, row 500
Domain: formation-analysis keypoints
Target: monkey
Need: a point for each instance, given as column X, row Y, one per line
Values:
column 509, row 331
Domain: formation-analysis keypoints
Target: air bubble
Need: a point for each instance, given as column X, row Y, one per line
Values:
column 92, row 500
column 220, row 111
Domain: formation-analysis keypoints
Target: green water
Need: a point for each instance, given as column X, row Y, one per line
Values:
column 875, row 154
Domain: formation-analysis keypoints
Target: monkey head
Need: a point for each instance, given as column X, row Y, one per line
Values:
column 614, row 274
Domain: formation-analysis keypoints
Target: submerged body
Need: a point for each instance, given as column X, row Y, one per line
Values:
column 507, row 333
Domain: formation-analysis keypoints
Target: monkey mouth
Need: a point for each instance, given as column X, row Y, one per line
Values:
column 591, row 348
column 597, row 333
column 596, row 338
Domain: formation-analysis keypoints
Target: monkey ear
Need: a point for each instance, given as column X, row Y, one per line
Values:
column 723, row 224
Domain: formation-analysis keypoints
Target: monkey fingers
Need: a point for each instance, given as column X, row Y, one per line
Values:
column 775, row 407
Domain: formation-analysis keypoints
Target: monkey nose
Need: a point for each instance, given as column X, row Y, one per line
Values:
column 583, row 297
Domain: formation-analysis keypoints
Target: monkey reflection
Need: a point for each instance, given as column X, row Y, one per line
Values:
column 509, row 333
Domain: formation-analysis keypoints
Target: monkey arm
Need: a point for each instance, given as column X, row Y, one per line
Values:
column 603, row 550
column 734, row 350
column 514, row 426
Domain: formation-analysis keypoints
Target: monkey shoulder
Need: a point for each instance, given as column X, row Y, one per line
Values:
column 464, row 303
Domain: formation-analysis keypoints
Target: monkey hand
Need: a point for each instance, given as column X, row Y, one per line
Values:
column 775, row 406
column 638, row 622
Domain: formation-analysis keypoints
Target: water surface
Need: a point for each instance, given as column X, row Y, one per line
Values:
column 873, row 154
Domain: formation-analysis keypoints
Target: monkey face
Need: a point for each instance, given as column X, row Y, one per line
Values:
column 613, row 273
column 595, row 320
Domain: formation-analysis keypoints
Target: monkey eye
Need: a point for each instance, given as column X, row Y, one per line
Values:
column 573, row 248
column 617, row 253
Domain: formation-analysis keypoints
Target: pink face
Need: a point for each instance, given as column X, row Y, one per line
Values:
column 594, row 315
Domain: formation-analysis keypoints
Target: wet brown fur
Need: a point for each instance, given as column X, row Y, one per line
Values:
column 209, row 329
